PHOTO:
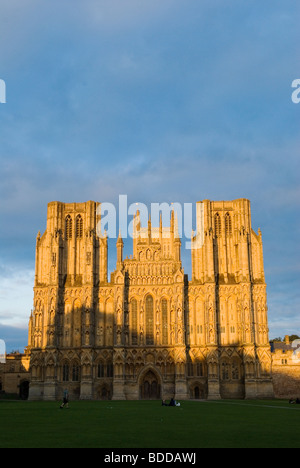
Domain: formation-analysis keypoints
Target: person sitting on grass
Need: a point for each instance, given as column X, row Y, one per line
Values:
column 172, row 403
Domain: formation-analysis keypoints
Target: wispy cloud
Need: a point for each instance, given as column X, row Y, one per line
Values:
column 16, row 296
column 16, row 339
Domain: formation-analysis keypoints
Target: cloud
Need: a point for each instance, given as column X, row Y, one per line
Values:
column 16, row 339
column 16, row 295
column 114, row 14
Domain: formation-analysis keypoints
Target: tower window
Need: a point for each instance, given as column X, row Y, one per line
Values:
column 149, row 320
column 228, row 225
column 79, row 227
column 134, row 314
column 69, row 228
column 165, row 329
column 218, row 225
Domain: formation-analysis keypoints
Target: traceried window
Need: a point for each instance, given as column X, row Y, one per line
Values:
column 75, row 373
column 79, row 227
column 149, row 321
column 199, row 369
column 190, row 369
column 235, row 371
column 225, row 371
column 164, row 306
column 134, row 315
column 228, row 225
column 69, row 228
column 218, row 225
column 66, row 373
column 100, row 370
column 109, row 370
column 105, row 370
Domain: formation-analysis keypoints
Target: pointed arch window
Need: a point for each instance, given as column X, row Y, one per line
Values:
column 101, row 368
column 149, row 320
column 79, row 227
column 228, row 225
column 225, row 371
column 218, row 225
column 199, row 369
column 109, row 370
column 235, row 371
column 164, row 307
column 134, row 315
column 66, row 373
column 69, row 228
column 75, row 373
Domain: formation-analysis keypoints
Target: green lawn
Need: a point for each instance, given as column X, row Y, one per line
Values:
column 148, row 425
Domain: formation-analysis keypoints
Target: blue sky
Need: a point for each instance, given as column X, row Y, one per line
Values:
column 173, row 100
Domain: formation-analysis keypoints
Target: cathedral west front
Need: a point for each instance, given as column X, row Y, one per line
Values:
column 149, row 331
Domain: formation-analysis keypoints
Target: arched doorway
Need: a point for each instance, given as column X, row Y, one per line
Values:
column 104, row 392
column 198, row 391
column 24, row 390
column 150, row 388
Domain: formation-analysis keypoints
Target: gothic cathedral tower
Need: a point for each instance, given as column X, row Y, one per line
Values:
column 228, row 327
column 71, row 264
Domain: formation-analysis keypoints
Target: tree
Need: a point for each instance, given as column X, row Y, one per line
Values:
column 293, row 338
column 276, row 340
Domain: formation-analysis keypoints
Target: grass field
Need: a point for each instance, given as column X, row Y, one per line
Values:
column 148, row 425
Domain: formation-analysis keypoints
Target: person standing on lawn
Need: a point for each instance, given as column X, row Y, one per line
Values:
column 65, row 402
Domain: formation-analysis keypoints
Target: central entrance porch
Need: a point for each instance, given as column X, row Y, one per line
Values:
column 150, row 387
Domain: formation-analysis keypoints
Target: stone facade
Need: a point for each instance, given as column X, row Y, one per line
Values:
column 15, row 375
column 286, row 369
column 149, row 332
